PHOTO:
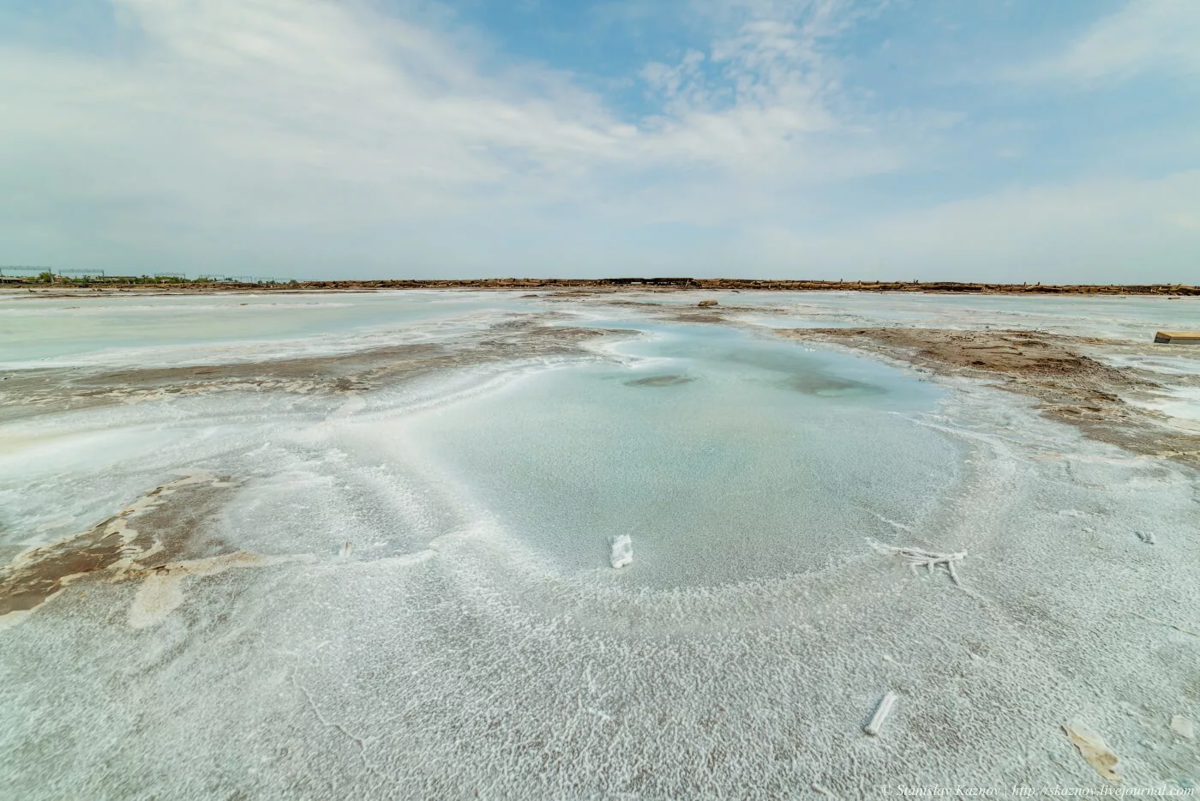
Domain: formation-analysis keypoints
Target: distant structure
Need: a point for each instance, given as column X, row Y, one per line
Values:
column 13, row 269
column 19, row 274
column 214, row 278
column 649, row 281
column 82, row 273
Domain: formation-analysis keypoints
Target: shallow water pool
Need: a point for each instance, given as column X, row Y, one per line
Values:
column 726, row 456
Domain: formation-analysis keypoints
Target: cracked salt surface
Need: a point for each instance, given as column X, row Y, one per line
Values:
column 475, row 638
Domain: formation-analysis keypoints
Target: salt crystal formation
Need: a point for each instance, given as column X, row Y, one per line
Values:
column 1183, row 727
column 473, row 641
column 881, row 712
column 622, row 551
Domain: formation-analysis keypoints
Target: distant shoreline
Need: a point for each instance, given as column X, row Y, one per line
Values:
column 624, row 284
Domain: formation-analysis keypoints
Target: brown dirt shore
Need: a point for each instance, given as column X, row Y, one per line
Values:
column 590, row 285
column 166, row 529
column 1069, row 386
column 27, row 393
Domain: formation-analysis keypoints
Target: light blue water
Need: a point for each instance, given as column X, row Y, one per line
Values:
column 727, row 457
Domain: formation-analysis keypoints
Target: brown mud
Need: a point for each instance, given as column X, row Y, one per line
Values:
column 1069, row 385
column 165, row 526
column 28, row 392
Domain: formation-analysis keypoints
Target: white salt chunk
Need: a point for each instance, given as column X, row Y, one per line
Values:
column 622, row 551
column 884, row 709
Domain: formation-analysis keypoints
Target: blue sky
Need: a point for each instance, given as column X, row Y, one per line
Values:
column 929, row 139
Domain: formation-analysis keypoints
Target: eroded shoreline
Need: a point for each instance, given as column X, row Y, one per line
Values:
column 40, row 390
column 1069, row 385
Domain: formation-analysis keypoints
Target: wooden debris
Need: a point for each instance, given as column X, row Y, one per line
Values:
column 1093, row 750
column 1178, row 337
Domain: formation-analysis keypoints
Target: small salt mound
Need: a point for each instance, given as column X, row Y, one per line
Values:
column 622, row 551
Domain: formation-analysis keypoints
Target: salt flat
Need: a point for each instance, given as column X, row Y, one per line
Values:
column 358, row 544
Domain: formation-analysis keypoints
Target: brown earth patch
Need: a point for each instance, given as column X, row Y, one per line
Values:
column 28, row 392
column 163, row 526
column 1069, row 385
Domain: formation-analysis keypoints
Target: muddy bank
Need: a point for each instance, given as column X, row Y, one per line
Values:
column 1070, row 386
column 164, row 538
column 704, row 312
column 164, row 526
column 28, row 392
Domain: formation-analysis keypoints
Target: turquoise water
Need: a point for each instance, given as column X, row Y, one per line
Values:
column 726, row 457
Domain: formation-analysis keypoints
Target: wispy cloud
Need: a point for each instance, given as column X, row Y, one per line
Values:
column 261, row 114
column 319, row 137
column 1088, row 231
column 1145, row 36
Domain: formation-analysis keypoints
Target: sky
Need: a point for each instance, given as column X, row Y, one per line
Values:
column 992, row 140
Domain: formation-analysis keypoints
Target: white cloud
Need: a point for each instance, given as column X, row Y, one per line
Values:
column 322, row 137
column 238, row 121
column 1090, row 231
column 1144, row 36
column 233, row 120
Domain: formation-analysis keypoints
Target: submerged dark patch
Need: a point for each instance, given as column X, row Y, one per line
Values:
column 827, row 386
column 660, row 381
